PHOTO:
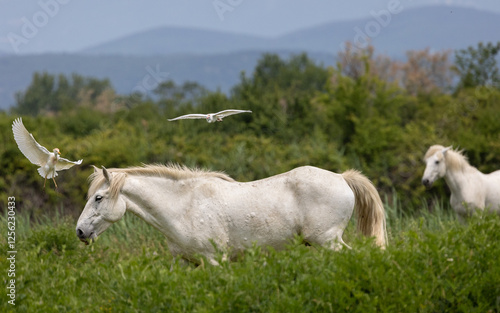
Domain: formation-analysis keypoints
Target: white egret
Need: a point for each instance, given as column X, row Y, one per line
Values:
column 49, row 162
column 211, row 117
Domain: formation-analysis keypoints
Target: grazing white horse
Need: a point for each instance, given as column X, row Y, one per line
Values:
column 470, row 189
column 197, row 210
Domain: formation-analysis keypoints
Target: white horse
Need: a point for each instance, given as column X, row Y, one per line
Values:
column 200, row 212
column 470, row 189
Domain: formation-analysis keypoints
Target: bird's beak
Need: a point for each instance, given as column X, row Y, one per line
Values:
column 58, row 152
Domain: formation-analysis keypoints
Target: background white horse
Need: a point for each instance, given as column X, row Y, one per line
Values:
column 196, row 209
column 470, row 189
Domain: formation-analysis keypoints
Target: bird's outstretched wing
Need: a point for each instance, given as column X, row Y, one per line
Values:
column 64, row 164
column 189, row 116
column 225, row 113
column 36, row 153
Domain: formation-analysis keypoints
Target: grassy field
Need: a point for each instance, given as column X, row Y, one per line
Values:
column 433, row 264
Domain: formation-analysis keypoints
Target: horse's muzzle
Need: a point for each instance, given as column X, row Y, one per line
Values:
column 82, row 236
column 426, row 182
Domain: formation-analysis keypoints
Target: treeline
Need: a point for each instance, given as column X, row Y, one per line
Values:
column 370, row 112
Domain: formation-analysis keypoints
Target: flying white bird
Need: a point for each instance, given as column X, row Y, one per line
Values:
column 49, row 162
column 211, row 117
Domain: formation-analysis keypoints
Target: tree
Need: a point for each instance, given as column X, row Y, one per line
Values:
column 38, row 96
column 425, row 72
column 169, row 90
column 354, row 63
column 279, row 93
column 478, row 66
column 48, row 94
column 172, row 96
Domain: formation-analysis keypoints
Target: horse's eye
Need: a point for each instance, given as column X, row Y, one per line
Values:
column 98, row 198
column 437, row 162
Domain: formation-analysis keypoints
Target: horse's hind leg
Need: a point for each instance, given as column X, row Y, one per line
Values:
column 338, row 243
column 224, row 259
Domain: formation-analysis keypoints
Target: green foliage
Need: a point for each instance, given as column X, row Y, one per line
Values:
column 302, row 114
column 433, row 264
column 478, row 66
column 279, row 93
column 52, row 238
column 48, row 94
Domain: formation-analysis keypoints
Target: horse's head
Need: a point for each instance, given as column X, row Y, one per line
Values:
column 104, row 207
column 435, row 164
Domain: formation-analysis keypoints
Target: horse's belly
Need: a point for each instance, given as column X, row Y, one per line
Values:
column 270, row 225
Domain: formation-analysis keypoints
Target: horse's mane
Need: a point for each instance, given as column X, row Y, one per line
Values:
column 170, row 171
column 455, row 159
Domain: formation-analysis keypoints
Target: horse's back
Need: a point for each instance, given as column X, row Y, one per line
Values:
column 313, row 182
column 494, row 175
column 304, row 179
column 302, row 185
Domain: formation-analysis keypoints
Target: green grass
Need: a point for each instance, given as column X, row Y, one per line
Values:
column 433, row 264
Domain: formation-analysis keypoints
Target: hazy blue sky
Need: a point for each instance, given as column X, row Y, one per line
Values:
column 71, row 25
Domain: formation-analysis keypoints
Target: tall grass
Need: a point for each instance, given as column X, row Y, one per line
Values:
column 433, row 264
column 435, row 218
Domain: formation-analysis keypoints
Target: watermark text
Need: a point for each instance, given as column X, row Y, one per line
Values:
column 31, row 26
column 11, row 250
column 224, row 6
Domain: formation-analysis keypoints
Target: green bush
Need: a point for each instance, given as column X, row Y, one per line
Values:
column 432, row 264
column 52, row 238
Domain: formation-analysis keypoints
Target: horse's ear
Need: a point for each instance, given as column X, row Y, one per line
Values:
column 95, row 169
column 107, row 175
column 446, row 149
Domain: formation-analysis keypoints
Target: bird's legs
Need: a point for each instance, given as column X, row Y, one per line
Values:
column 45, row 180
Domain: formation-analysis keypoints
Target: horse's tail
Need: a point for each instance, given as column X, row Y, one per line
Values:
column 369, row 209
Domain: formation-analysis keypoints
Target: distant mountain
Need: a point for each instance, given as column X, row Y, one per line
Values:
column 127, row 73
column 215, row 59
column 176, row 40
column 436, row 27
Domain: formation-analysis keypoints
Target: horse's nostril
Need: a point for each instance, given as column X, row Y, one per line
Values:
column 80, row 233
column 425, row 181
